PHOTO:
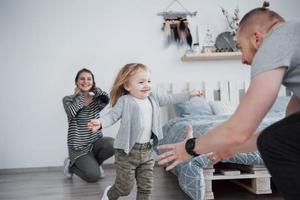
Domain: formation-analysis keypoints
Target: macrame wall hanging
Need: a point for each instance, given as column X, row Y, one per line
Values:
column 175, row 25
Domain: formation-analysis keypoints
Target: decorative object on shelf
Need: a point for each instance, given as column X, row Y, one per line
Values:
column 233, row 21
column 175, row 25
column 226, row 41
column 208, row 45
column 196, row 48
column 196, row 45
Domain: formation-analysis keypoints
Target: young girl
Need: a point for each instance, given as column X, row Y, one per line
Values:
column 138, row 109
column 86, row 151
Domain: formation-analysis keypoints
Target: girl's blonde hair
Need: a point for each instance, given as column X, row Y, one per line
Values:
column 122, row 78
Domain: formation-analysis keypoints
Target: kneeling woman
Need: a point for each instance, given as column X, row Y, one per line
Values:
column 87, row 150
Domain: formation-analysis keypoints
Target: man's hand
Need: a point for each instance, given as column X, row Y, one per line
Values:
column 177, row 152
column 94, row 125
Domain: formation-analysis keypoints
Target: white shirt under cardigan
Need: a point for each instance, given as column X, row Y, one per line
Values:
column 132, row 124
column 146, row 110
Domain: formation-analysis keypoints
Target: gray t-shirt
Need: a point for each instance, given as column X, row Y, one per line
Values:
column 281, row 48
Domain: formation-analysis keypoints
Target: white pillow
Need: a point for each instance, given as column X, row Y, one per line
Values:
column 223, row 107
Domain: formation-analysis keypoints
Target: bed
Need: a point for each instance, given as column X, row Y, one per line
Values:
column 203, row 113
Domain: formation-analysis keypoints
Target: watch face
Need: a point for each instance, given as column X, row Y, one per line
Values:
column 189, row 146
column 225, row 42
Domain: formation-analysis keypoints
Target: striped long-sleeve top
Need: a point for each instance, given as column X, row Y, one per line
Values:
column 80, row 138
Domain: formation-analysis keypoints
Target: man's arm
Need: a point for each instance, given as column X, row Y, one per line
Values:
column 248, row 146
column 259, row 98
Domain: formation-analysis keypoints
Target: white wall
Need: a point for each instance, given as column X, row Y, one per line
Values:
column 44, row 43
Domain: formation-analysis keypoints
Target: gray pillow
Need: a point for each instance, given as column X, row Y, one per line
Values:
column 196, row 106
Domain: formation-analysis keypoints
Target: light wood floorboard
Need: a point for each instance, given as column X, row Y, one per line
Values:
column 46, row 185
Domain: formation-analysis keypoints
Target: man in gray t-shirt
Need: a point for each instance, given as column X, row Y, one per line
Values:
column 272, row 47
column 281, row 48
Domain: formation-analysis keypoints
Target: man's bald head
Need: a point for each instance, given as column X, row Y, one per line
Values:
column 259, row 19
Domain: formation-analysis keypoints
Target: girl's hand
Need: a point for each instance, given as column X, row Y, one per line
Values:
column 94, row 125
column 196, row 93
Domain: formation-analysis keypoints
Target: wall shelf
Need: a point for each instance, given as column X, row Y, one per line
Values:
column 211, row 56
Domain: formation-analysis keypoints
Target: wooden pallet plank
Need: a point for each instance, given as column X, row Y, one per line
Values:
column 257, row 186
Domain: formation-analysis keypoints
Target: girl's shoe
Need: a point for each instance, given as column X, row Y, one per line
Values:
column 105, row 197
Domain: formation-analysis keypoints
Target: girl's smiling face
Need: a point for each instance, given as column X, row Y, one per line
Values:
column 139, row 84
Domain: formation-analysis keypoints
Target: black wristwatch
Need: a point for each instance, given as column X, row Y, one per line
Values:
column 189, row 147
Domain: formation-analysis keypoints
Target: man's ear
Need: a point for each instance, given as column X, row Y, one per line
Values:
column 257, row 39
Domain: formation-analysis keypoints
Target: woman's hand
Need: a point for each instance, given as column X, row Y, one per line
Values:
column 196, row 93
column 91, row 94
column 94, row 125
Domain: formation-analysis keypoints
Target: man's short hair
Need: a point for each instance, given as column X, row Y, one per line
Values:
column 262, row 17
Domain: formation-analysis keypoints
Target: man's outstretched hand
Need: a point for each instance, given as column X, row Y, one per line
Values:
column 176, row 153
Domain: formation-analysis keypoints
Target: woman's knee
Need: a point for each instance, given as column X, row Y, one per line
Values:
column 92, row 176
column 106, row 143
column 110, row 142
column 109, row 147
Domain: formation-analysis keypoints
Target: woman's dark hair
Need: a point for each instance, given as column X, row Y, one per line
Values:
column 87, row 71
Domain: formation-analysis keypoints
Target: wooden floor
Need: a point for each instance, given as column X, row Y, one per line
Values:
column 53, row 185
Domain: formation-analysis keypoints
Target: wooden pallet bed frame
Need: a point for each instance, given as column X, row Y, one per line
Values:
column 259, row 177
